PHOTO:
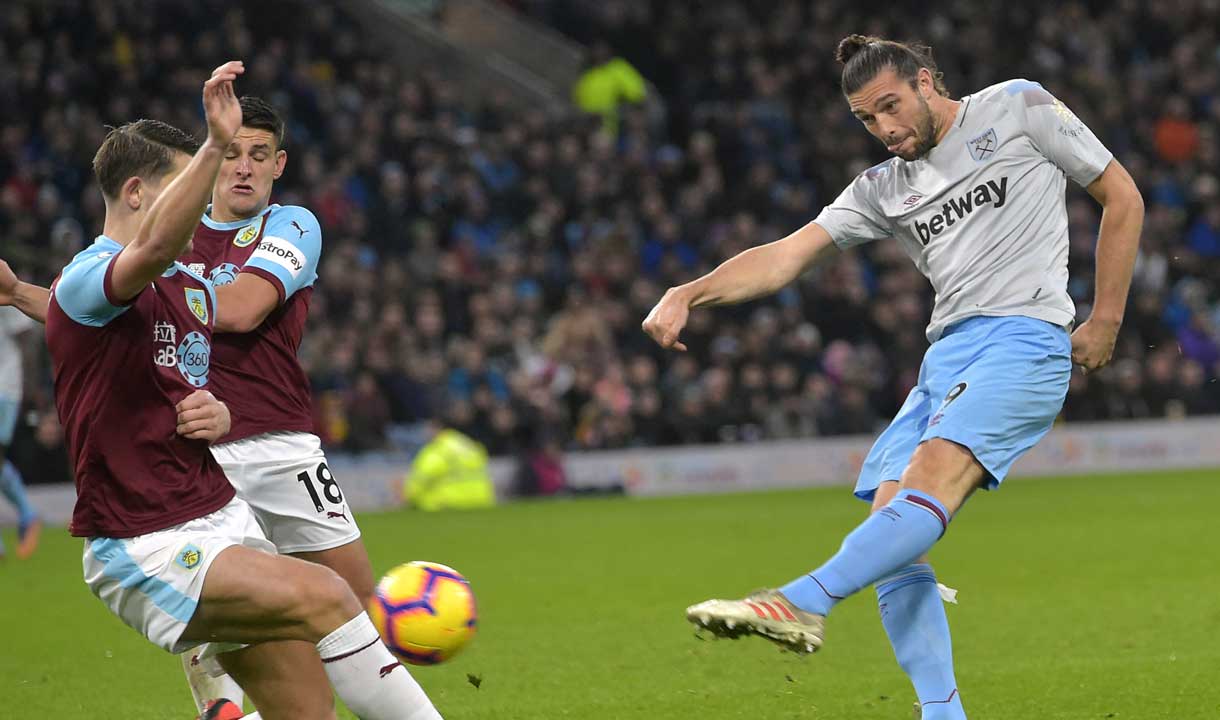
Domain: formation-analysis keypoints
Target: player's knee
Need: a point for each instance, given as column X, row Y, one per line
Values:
column 919, row 476
column 326, row 602
column 945, row 470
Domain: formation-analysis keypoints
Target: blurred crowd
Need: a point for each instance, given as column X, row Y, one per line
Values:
column 489, row 268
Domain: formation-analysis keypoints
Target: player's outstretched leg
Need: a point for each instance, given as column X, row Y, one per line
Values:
column 886, row 541
column 28, row 525
column 890, row 539
column 251, row 596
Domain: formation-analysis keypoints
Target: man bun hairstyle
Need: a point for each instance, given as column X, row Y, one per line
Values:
column 144, row 148
column 865, row 56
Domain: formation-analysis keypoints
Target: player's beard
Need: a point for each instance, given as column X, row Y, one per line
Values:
column 925, row 131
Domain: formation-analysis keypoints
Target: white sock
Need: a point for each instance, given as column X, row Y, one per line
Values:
column 205, row 687
column 370, row 680
column 252, row 716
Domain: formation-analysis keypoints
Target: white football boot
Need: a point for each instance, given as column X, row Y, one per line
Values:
column 766, row 613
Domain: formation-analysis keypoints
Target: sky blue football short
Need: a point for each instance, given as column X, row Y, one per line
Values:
column 992, row 384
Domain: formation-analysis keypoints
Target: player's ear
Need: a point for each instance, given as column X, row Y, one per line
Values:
column 927, row 84
column 132, row 194
column 281, row 161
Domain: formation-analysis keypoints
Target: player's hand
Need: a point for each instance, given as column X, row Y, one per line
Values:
column 202, row 417
column 667, row 319
column 8, row 284
column 220, row 103
column 1093, row 344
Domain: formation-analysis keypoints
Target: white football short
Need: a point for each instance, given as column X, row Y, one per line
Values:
column 284, row 477
column 153, row 582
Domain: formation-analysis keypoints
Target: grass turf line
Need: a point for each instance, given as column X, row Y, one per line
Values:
column 1080, row 598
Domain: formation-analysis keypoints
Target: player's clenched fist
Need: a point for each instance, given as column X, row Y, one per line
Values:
column 667, row 319
column 220, row 103
column 1093, row 344
column 202, row 417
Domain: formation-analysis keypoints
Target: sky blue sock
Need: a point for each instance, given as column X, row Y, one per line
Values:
column 891, row 538
column 914, row 617
column 14, row 489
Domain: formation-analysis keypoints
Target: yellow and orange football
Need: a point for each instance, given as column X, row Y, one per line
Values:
column 425, row 612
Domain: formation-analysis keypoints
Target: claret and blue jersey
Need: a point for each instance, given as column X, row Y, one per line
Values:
column 257, row 373
column 120, row 368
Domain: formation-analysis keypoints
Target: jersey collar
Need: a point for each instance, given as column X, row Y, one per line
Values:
column 215, row 225
column 958, row 120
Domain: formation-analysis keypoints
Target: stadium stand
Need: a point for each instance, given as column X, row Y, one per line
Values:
column 489, row 267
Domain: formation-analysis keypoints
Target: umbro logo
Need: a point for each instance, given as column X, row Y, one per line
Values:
column 910, row 202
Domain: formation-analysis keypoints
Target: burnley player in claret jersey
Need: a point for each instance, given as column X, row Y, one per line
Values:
column 262, row 259
column 169, row 548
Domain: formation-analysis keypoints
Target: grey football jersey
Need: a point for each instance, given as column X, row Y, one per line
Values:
column 983, row 214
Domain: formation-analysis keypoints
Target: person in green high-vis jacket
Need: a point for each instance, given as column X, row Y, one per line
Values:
column 608, row 83
column 449, row 473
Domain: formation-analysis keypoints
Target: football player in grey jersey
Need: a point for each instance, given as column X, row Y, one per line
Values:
column 975, row 197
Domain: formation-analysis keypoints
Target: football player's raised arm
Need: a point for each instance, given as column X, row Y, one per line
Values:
column 243, row 305
column 32, row 300
column 167, row 228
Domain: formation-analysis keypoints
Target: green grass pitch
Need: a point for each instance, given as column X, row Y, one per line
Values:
column 1080, row 598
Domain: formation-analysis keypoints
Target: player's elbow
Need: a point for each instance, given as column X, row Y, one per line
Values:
column 157, row 247
column 1122, row 194
column 1136, row 201
column 1128, row 197
column 154, row 254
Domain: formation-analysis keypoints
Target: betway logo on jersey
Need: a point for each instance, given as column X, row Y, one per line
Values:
column 990, row 192
column 282, row 253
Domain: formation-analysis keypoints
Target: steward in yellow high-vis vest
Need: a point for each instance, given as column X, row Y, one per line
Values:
column 450, row 473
